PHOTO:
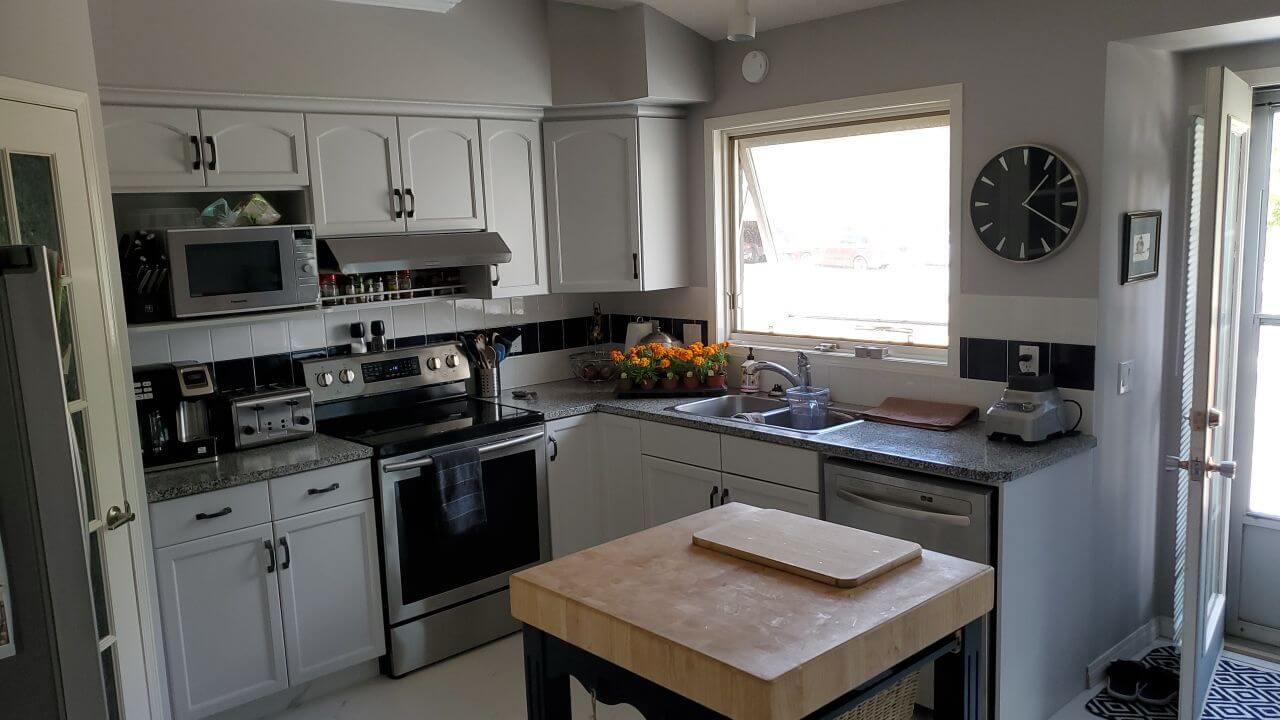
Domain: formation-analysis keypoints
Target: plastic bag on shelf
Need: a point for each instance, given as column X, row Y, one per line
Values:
column 219, row 214
column 255, row 210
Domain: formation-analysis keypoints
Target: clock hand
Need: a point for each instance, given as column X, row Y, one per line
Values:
column 1053, row 222
column 1034, row 191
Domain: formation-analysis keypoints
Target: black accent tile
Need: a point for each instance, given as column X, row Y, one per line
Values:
column 987, row 359
column 233, row 375
column 1073, row 365
column 618, row 327
column 705, row 330
column 551, row 335
column 964, row 357
column 665, row 325
column 1013, row 355
column 273, row 370
column 411, row 341
column 530, row 338
column 577, row 332
column 339, row 350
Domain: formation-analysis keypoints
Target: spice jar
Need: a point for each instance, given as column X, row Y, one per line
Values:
column 328, row 288
column 405, row 279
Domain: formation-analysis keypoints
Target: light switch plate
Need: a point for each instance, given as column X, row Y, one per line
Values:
column 1126, row 377
column 1031, row 366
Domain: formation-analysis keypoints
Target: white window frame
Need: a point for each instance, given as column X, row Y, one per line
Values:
column 719, row 136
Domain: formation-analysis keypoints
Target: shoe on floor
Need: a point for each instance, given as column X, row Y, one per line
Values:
column 1124, row 678
column 1157, row 687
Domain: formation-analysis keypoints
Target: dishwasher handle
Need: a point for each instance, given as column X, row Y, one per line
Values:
column 492, row 447
column 905, row 511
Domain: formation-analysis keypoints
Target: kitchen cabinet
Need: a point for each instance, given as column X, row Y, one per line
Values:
column 440, row 169
column 355, row 174
column 575, row 488
column 619, row 471
column 330, row 589
column 151, row 148
column 674, row 490
column 223, row 630
column 616, row 204
column 512, row 154
column 761, row 494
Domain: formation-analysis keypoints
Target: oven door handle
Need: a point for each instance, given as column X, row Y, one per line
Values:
column 490, row 448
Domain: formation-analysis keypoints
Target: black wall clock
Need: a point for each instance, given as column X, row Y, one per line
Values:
column 1027, row 203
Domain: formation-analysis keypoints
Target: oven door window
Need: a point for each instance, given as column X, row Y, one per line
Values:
column 433, row 561
column 235, row 268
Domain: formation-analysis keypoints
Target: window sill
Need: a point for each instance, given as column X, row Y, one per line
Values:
column 930, row 361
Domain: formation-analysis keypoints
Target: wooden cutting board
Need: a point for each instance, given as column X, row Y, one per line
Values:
column 833, row 554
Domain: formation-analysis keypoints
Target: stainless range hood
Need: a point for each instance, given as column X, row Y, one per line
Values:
column 389, row 253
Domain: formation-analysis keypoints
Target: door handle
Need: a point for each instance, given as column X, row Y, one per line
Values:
column 284, row 544
column 410, row 201
column 213, row 152
column 117, row 517
column 1225, row 468
column 905, row 511
column 555, row 449
column 397, row 203
column 323, row 490
column 210, row 516
column 711, row 502
column 724, row 496
column 635, row 266
column 271, row 553
column 492, row 447
column 195, row 145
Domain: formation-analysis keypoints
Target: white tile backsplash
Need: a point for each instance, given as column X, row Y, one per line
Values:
column 231, row 342
column 270, row 338
column 307, row 332
column 519, row 311
column 470, row 314
column 409, row 320
column 192, row 344
column 337, row 326
column 497, row 313
column 440, row 317
column 149, row 347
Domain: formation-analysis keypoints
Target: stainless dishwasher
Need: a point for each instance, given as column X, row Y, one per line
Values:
column 944, row 516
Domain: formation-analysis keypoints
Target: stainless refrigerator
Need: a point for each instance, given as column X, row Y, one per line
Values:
column 49, row 664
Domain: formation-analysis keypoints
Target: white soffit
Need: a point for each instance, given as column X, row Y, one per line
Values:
column 710, row 17
column 436, row 6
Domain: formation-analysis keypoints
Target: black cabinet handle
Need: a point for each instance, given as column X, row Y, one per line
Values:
column 213, row 152
column 411, row 201
column 210, row 516
column 724, row 496
column 555, row 450
column 284, row 543
column 195, row 145
column 398, row 203
column 635, row 266
column 271, row 552
column 712, row 501
column 321, row 491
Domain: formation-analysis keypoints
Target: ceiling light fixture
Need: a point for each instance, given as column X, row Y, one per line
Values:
column 742, row 24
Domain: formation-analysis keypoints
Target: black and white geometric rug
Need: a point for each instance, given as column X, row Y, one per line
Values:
column 1238, row 692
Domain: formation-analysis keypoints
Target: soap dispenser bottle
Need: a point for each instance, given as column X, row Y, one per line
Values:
column 749, row 382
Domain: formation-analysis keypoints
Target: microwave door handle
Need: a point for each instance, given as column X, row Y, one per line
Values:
column 905, row 511
column 484, row 449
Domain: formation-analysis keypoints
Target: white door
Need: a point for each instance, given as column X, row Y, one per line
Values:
column 512, row 153
column 254, row 149
column 45, row 200
column 593, row 196
column 574, row 487
column 761, row 494
column 618, row 466
column 330, row 589
column 674, row 490
column 355, row 174
column 153, row 147
column 1213, row 305
column 443, row 189
column 220, row 606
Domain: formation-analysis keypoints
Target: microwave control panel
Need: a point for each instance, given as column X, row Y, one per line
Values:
column 306, row 267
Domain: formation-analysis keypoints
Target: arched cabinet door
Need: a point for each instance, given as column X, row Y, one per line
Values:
column 514, row 208
column 153, row 147
column 254, row 149
column 355, row 174
column 442, row 183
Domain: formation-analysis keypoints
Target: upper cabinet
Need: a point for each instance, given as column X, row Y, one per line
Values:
column 616, row 200
column 440, row 167
column 514, row 207
column 158, row 148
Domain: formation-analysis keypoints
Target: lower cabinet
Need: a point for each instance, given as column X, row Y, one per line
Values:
column 618, row 470
column 735, row 488
column 575, row 488
column 674, row 490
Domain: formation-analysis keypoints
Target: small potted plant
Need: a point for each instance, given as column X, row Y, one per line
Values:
column 622, row 365
column 717, row 360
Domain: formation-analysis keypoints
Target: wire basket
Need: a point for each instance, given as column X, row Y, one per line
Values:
column 895, row 703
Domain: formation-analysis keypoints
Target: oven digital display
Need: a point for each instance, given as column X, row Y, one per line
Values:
column 390, row 369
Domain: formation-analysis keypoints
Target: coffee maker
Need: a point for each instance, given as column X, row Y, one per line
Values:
column 174, row 402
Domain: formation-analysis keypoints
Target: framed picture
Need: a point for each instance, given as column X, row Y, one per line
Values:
column 1140, row 246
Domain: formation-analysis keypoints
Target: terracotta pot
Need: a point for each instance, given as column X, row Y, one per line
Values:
column 648, row 383
column 716, row 381
column 669, row 383
column 690, row 383
column 624, row 384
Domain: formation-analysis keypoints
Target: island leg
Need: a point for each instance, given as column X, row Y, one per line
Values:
column 546, row 693
column 956, row 677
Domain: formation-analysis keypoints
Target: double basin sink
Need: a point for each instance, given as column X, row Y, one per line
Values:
column 773, row 413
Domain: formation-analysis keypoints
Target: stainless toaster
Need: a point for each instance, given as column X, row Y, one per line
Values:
column 270, row 416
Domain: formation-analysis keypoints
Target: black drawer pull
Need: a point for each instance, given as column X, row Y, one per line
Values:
column 213, row 153
column 284, row 543
column 210, row 516
column 321, row 491
column 195, row 143
column 271, row 552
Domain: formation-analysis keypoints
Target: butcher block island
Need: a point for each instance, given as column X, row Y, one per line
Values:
column 679, row 630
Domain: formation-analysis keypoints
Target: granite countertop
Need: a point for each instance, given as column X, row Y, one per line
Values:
column 250, row 466
column 961, row 454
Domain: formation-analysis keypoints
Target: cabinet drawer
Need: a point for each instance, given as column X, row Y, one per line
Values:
column 761, row 494
column 320, row 489
column 682, row 444
column 775, row 463
column 206, row 514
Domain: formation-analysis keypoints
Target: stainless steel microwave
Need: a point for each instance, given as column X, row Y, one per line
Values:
column 214, row 271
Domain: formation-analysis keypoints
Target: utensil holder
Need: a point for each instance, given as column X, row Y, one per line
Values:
column 486, row 382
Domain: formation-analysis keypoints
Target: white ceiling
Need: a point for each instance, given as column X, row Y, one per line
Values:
column 711, row 17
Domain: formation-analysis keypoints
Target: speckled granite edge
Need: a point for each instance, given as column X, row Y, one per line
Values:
column 250, row 466
column 963, row 454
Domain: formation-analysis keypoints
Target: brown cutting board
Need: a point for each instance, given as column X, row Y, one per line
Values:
column 829, row 553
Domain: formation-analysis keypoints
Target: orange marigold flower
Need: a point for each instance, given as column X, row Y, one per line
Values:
column 616, row 355
column 699, row 361
column 665, row 363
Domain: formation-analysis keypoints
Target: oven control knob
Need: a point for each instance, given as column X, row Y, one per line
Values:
column 451, row 361
column 347, row 375
column 324, row 379
column 433, row 363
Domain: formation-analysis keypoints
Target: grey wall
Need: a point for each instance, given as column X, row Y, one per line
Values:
column 482, row 51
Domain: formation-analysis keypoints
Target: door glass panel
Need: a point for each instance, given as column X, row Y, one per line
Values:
column 97, row 584
column 1269, row 277
column 66, row 338
column 86, row 471
column 111, row 682
column 5, row 239
column 1264, row 471
column 35, row 200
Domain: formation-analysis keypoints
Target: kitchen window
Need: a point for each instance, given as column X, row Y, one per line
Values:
column 838, row 229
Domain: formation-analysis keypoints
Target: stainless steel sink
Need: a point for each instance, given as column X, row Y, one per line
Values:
column 776, row 413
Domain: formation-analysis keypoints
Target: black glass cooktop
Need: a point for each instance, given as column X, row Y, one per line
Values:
column 397, row 430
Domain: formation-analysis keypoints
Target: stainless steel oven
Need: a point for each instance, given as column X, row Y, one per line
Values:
column 214, row 271
column 447, row 593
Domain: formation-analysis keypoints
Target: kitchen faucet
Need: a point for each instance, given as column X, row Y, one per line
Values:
column 803, row 376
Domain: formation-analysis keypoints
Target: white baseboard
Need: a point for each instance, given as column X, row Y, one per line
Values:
column 1164, row 624
column 1136, row 642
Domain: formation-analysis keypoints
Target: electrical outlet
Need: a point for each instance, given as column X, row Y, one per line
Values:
column 1030, row 366
column 1126, row 377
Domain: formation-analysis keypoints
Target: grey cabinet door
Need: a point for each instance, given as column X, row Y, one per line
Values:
column 355, row 174
column 220, row 608
column 153, row 147
column 443, row 189
column 330, row 589
column 618, row 466
column 254, row 149
column 593, row 214
column 575, row 488
column 514, row 206
column 674, row 490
